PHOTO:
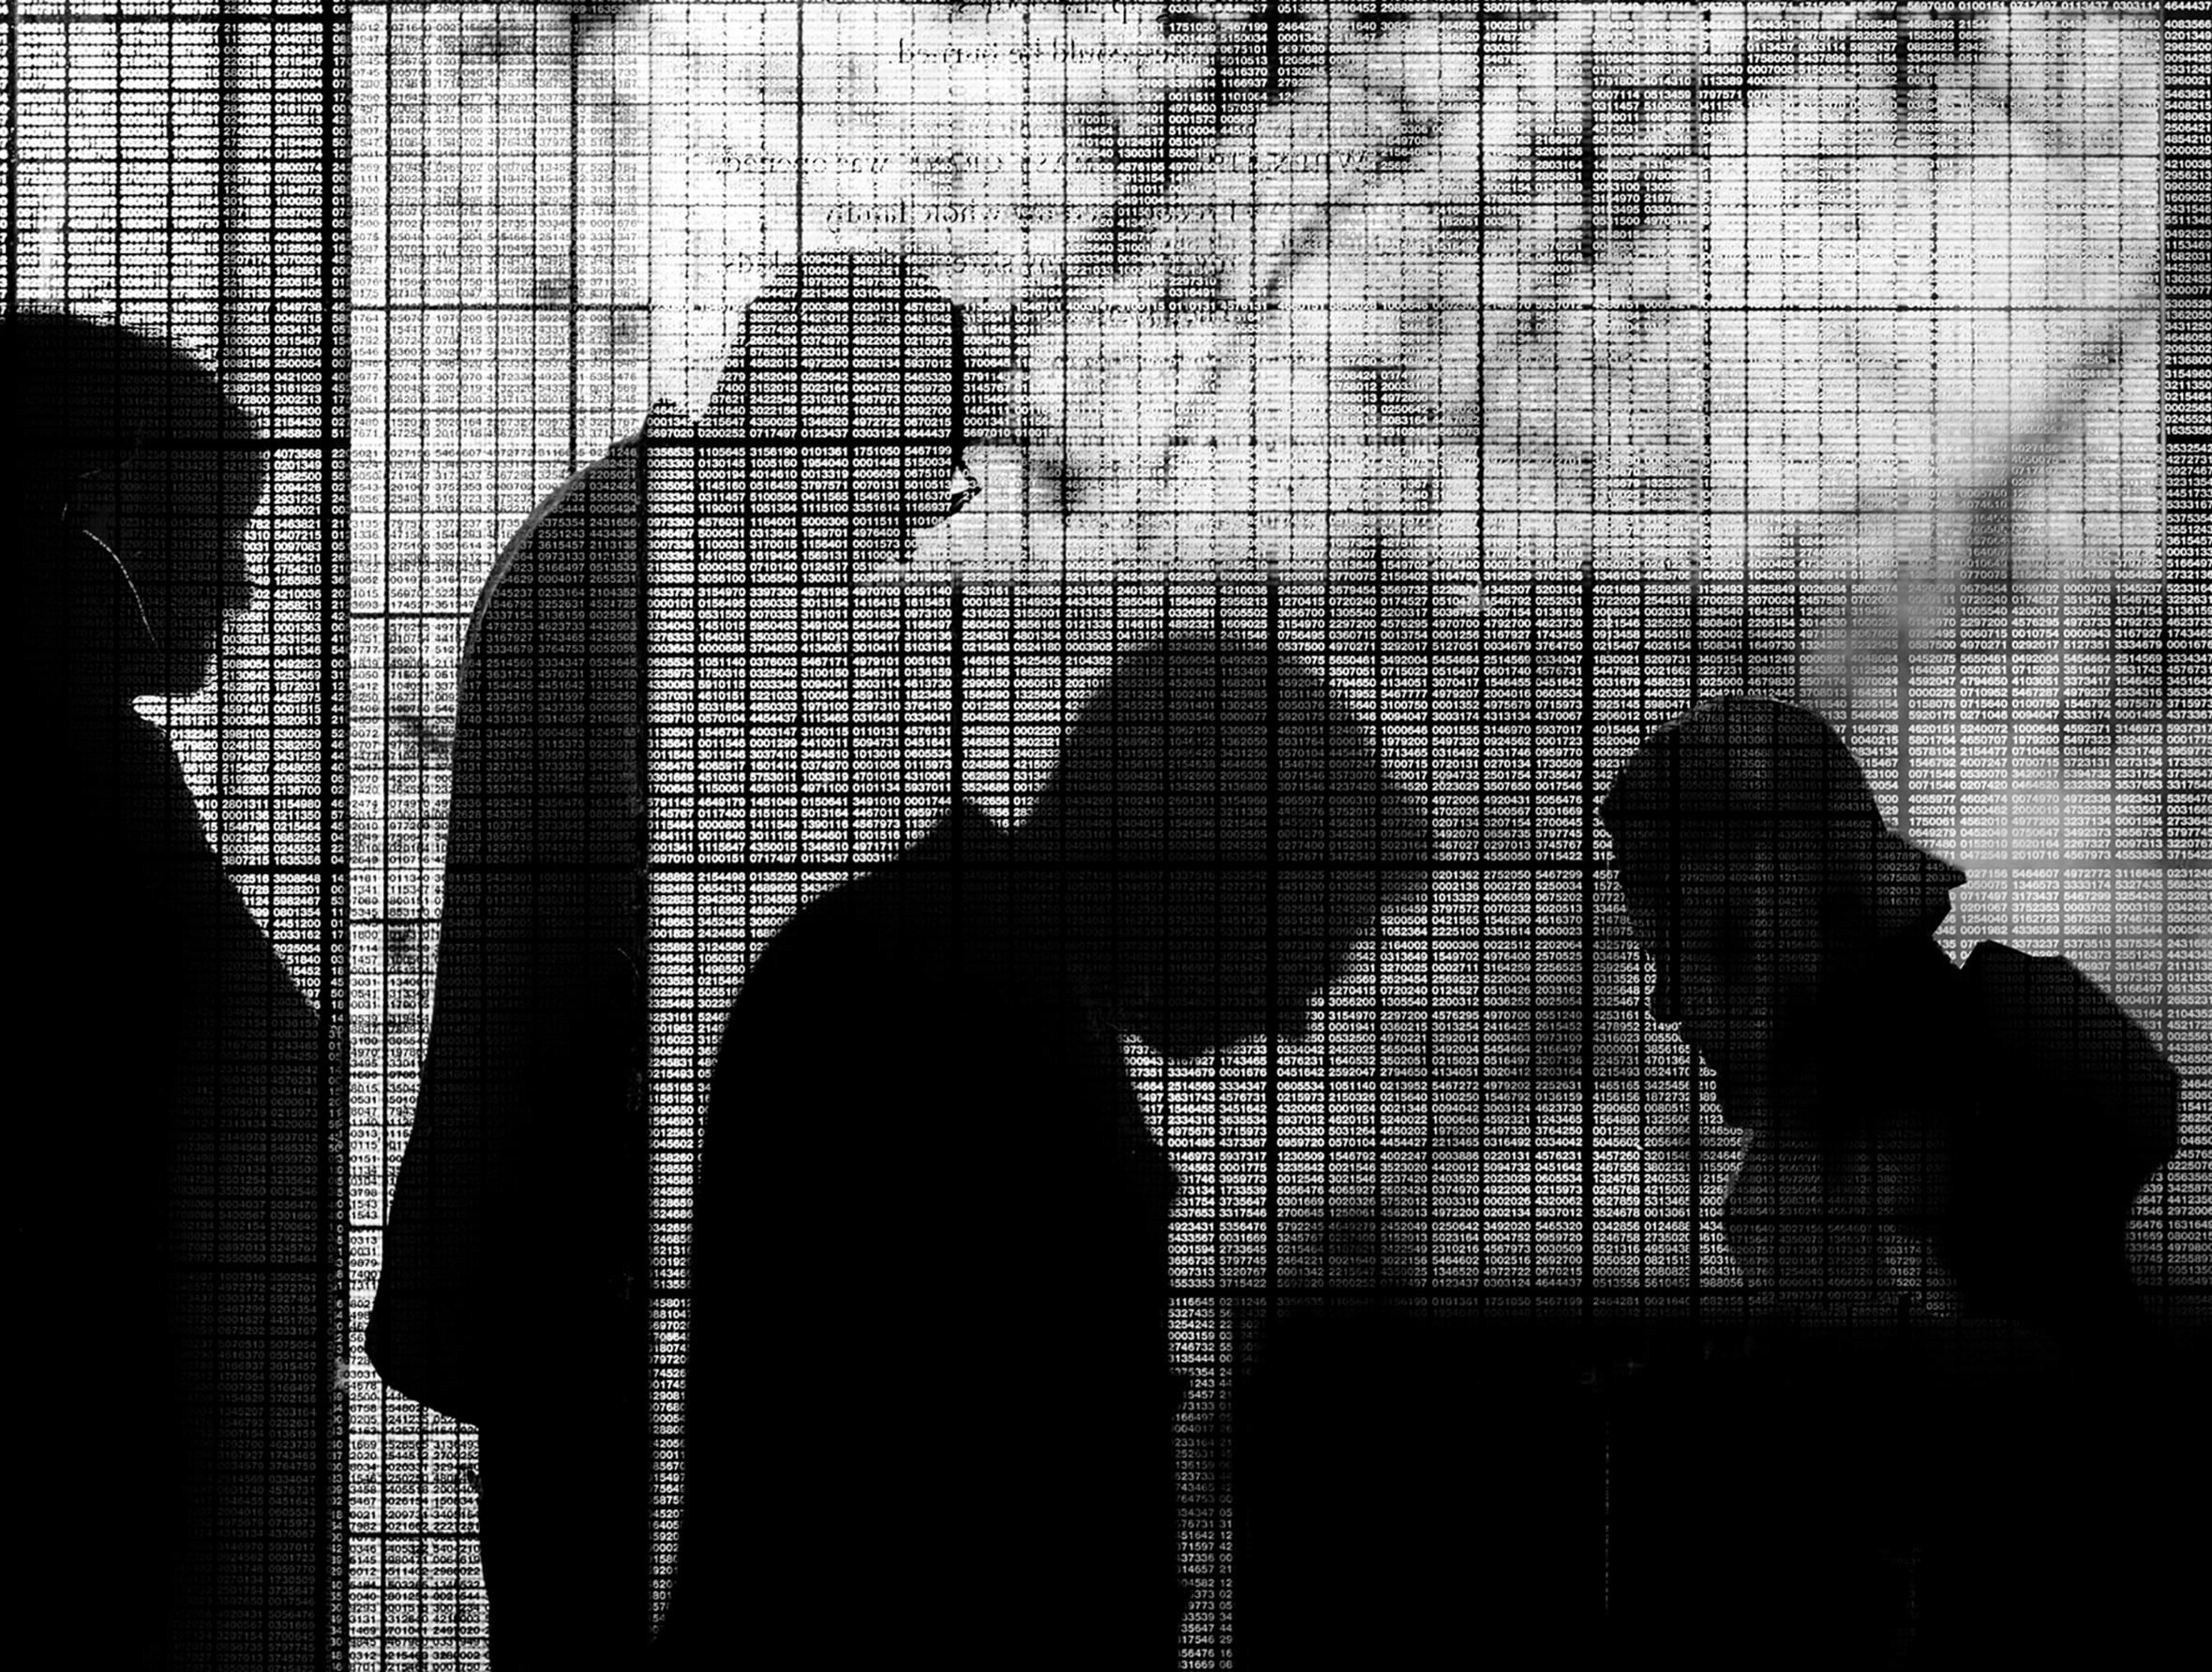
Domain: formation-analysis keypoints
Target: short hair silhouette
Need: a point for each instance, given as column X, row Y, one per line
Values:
column 1214, row 753
column 133, row 568
column 850, row 359
column 1220, row 832
column 85, row 395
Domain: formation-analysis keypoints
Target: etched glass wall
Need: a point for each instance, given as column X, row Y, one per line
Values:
column 1534, row 373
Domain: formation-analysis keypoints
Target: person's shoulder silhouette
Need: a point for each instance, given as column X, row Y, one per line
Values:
column 2078, row 1109
column 929, row 1241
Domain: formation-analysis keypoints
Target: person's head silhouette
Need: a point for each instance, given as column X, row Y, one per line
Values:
column 131, row 477
column 1220, row 832
column 839, row 410
column 1755, row 865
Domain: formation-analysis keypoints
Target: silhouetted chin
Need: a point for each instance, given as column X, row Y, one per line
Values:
column 1739, row 1100
column 1183, row 1044
column 177, row 676
column 1179, row 1040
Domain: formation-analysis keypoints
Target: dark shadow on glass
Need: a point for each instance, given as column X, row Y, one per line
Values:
column 167, row 1354
column 514, row 1293
column 929, row 1401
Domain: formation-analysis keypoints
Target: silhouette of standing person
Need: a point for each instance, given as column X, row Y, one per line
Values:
column 514, row 1292
column 928, row 1405
column 2006, row 1112
column 167, row 1338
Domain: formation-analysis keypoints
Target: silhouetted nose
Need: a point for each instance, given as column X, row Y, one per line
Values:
column 1667, row 1003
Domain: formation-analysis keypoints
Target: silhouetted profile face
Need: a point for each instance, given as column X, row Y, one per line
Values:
column 1753, row 862
column 143, row 477
column 176, row 520
column 840, row 406
column 1229, row 836
column 1733, row 928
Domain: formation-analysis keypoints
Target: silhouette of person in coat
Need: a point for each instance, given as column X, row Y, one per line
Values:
column 929, row 1403
column 2006, row 1112
column 170, row 1342
column 514, row 1293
